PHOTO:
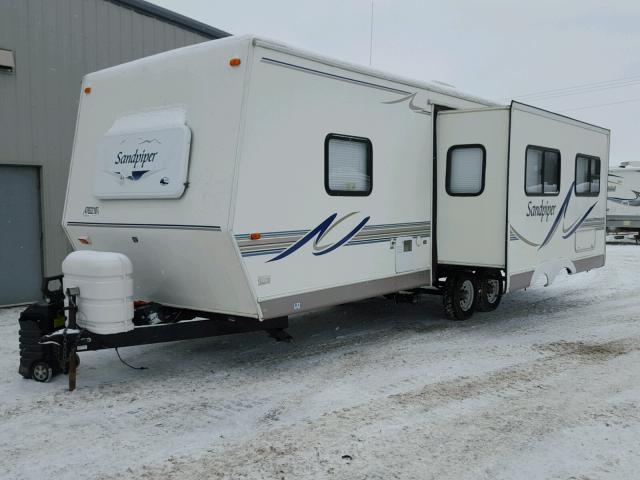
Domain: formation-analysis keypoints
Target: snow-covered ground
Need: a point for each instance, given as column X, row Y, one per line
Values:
column 546, row 387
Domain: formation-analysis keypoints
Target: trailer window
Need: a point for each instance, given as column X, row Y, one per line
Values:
column 542, row 171
column 465, row 170
column 587, row 175
column 347, row 165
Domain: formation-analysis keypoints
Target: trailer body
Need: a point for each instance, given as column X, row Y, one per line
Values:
column 227, row 172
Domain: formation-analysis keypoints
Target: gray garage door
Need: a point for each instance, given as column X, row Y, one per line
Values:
column 20, row 235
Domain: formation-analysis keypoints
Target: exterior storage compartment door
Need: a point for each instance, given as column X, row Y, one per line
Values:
column 585, row 240
column 408, row 256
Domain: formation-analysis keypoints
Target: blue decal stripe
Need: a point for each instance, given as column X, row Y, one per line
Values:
column 571, row 232
column 319, row 230
column 348, row 244
column 560, row 216
column 597, row 223
column 359, row 236
column 284, row 243
column 345, row 239
column 261, row 252
column 354, row 241
column 302, row 232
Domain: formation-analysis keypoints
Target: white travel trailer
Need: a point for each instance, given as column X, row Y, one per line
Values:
column 623, row 201
column 244, row 179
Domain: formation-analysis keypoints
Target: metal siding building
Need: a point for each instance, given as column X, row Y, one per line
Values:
column 52, row 45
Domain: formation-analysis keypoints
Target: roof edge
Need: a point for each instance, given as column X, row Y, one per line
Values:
column 152, row 10
column 362, row 69
column 525, row 107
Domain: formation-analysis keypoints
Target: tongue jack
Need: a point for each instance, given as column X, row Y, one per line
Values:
column 69, row 350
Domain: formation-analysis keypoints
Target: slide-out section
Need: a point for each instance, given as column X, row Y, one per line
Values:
column 472, row 150
column 557, row 196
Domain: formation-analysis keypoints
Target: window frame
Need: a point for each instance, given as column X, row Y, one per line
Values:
column 543, row 149
column 575, row 179
column 369, row 165
column 447, row 180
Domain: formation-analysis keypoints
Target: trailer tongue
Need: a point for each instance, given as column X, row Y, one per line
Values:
column 47, row 348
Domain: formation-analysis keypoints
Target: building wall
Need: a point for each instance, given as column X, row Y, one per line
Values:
column 55, row 43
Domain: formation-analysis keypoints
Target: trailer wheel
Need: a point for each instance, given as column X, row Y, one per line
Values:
column 41, row 371
column 459, row 296
column 489, row 294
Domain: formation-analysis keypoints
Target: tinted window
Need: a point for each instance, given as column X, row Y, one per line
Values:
column 542, row 171
column 587, row 175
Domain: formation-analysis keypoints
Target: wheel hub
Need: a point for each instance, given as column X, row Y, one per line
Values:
column 492, row 290
column 466, row 295
column 40, row 372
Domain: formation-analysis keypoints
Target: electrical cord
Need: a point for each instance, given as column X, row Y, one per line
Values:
column 127, row 364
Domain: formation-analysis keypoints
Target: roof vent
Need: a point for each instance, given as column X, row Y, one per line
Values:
column 7, row 62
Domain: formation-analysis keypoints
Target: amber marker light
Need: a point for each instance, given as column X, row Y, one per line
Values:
column 234, row 62
column 87, row 90
column 255, row 236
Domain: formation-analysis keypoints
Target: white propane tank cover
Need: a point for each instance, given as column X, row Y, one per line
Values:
column 105, row 280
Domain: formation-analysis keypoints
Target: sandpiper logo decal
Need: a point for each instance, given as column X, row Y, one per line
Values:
column 134, row 165
column 136, row 160
column 320, row 232
column 544, row 210
column 562, row 213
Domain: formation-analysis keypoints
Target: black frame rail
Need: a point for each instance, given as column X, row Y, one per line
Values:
column 175, row 324
column 212, row 326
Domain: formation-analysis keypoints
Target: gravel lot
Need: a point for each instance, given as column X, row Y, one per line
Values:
column 546, row 387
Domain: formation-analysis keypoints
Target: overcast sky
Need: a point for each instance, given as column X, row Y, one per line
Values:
column 496, row 49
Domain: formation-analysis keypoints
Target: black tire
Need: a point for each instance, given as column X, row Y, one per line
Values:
column 460, row 297
column 489, row 294
column 41, row 371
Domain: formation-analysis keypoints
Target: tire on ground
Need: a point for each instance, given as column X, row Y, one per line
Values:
column 41, row 371
column 489, row 294
column 459, row 296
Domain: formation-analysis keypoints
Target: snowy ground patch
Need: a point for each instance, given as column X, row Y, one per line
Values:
column 546, row 387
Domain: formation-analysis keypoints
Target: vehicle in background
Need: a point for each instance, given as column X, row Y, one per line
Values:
column 623, row 201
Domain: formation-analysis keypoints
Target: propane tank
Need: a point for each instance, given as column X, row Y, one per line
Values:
column 105, row 280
